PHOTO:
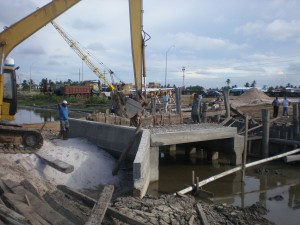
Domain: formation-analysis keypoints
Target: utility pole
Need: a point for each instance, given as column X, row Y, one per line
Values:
column 183, row 70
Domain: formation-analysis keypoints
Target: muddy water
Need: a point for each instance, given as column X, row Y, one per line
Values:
column 36, row 115
column 275, row 184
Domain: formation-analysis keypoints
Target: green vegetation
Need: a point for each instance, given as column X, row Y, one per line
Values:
column 48, row 100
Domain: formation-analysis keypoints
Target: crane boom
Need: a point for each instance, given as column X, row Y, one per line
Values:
column 83, row 55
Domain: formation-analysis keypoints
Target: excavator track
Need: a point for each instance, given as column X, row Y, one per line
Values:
column 15, row 139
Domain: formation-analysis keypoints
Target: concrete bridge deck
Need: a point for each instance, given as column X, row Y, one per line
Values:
column 145, row 151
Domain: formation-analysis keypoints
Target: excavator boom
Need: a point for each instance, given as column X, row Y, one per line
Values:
column 20, row 31
column 15, row 138
column 136, row 27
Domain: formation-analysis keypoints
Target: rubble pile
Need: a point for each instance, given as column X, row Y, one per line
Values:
column 171, row 209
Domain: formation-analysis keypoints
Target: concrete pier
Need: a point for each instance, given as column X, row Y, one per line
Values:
column 145, row 151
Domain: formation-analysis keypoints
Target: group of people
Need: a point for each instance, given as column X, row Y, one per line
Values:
column 285, row 106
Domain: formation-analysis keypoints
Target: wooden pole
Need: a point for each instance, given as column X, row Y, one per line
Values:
column 259, row 126
column 178, row 100
column 226, row 101
column 193, row 177
column 296, row 120
column 245, row 147
column 213, row 178
column 266, row 132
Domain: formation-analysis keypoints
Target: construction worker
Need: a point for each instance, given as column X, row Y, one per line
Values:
column 166, row 99
column 64, row 119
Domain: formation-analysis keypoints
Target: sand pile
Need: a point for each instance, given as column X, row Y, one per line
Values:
column 252, row 96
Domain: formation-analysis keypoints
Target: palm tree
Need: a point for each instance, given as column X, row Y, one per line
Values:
column 228, row 82
column 253, row 84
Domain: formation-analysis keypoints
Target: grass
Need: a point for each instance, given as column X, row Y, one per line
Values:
column 37, row 99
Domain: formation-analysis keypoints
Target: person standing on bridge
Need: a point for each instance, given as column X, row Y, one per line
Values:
column 166, row 99
column 285, row 105
column 196, row 109
column 64, row 119
column 275, row 105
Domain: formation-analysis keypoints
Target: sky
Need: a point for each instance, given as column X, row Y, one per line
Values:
column 240, row 40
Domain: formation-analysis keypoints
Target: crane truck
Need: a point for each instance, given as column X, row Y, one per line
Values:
column 14, row 138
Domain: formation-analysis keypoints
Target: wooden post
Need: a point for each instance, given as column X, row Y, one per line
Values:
column 226, row 101
column 296, row 120
column 178, row 100
column 197, row 184
column 266, row 131
column 245, row 147
column 153, row 108
column 193, row 177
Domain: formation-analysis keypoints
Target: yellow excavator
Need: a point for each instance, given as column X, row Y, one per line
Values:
column 14, row 138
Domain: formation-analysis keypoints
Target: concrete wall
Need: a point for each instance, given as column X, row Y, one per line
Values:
column 114, row 139
column 141, row 166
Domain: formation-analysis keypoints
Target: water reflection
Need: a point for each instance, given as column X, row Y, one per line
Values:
column 275, row 184
column 37, row 115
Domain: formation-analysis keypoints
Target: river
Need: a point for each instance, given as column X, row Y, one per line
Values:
column 38, row 115
column 275, row 184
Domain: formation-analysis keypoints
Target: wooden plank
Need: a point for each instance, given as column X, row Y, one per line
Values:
column 122, row 217
column 40, row 207
column 79, row 196
column 225, row 121
column 30, row 187
column 100, row 208
column 8, row 214
column 291, row 158
column 24, row 209
column 126, row 150
column 56, row 163
column 74, row 211
column 285, row 141
column 202, row 215
column 225, row 173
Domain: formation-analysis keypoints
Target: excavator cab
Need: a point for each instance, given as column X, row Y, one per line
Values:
column 8, row 102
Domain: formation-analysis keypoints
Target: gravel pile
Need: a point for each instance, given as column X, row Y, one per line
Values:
column 252, row 96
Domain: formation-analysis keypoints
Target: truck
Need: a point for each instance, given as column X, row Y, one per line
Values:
column 86, row 89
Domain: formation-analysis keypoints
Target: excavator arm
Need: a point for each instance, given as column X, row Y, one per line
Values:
column 136, row 27
column 20, row 31
column 9, row 39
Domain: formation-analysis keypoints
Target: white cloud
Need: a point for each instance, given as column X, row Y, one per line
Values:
column 276, row 30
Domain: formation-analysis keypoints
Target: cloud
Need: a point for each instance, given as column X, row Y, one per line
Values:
column 277, row 29
column 193, row 41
